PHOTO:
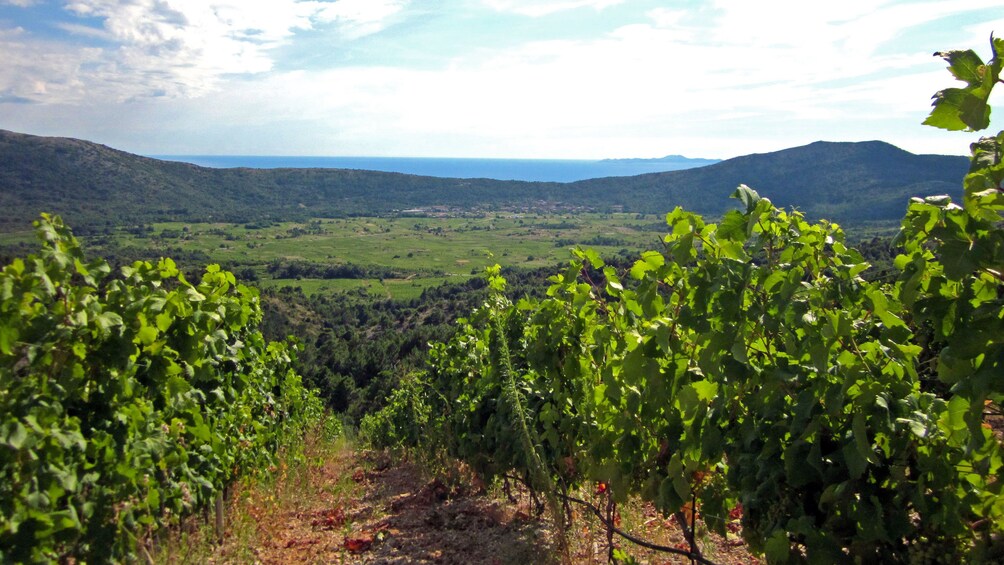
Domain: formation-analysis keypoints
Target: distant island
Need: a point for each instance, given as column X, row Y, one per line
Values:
column 668, row 159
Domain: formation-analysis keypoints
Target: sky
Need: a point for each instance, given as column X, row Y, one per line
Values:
column 556, row 79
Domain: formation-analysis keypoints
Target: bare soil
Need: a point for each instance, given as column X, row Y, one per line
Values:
column 347, row 506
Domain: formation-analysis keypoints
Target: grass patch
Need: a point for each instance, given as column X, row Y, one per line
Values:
column 421, row 252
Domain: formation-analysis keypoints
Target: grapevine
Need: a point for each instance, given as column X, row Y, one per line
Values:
column 749, row 363
column 128, row 402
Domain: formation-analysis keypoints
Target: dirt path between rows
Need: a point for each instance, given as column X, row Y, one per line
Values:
column 360, row 507
column 352, row 509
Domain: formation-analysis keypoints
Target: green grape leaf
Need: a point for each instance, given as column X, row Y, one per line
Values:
column 957, row 258
column 732, row 226
column 856, row 464
column 964, row 65
column 614, row 286
column 956, row 109
column 917, row 427
column 859, row 428
column 706, row 390
column 871, row 521
column 777, row 548
column 147, row 335
column 953, row 421
column 967, row 108
column 733, row 250
column 747, row 196
column 650, row 261
column 986, row 153
column 593, row 257
column 15, row 434
column 8, row 337
column 164, row 320
column 107, row 320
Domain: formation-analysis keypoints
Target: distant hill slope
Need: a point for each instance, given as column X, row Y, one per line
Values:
column 93, row 185
column 847, row 182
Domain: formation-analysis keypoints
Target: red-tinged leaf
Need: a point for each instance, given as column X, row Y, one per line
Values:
column 296, row 541
column 359, row 544
column 329, row 519
column 736, row 513
column 688, row 511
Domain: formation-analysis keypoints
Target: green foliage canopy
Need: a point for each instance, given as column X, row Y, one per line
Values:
column 127, row 402
column 749, row 362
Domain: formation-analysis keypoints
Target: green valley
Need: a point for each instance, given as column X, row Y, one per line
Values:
column 390, row 256
column 572, row 343
column 93, row 187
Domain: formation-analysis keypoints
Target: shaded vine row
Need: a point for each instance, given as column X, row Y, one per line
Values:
column 129, row 402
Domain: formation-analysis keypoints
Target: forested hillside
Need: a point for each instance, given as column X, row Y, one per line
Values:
column 91, row 185
column 844, row 182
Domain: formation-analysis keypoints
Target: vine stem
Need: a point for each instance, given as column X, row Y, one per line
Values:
column 688, row 531
column 537, row 468
column 695, row 557
column 610, row 520
column 693, row 526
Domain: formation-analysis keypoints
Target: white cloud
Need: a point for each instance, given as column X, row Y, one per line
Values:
column 42, row 71
column 360, row 17
column 538, row 8
column 174, row 47
column 19, row 3
column 665, row 78
column 640, row 86
column 715, row 82
column 979, row 37
column 195, row 40
column 666, row 17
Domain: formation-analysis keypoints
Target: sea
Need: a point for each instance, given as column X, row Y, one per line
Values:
column 546, row 170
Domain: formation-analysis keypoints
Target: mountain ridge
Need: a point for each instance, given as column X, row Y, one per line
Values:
column 92, row 185
column 865, row 180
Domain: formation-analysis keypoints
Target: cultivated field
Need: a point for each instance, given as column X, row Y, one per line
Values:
column 400, row 256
